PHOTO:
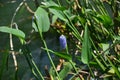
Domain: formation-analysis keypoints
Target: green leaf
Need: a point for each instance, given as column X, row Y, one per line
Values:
column 111, row 71
column 56, row 10
column 3, row 64
column 82, row 20
column 114, row 67
column 106, row 20
column 41, row 22
column 61, row 8
column 62, row 55
column 99, row 62
column 86, row 47
column 49, row 3
column 54, row 19
column 52, row 4
column 58, row 13
column 105, row 47
column 116, row 37
column 66, row 68
column 15, row 32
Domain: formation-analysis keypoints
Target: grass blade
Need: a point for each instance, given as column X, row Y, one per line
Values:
column 113, row 66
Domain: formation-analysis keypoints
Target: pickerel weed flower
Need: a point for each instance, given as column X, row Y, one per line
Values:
column 63, row 42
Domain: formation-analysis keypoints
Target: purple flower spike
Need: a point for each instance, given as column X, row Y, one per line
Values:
column 63, row 41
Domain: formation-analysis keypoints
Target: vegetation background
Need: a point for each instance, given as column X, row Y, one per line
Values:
column 30, row 48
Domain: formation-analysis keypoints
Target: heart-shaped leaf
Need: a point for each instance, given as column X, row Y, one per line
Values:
column 41, row 22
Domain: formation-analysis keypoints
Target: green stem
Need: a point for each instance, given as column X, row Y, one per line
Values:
column 37, row 70
column 71, row 61
column 91, row 71
column 27, row 56
column 98, row 52
column 59, row 2
column 50, row 56
column 70, row 24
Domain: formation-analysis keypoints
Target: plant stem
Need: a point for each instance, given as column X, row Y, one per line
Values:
column 11, row 39
column 37, row 70
column 31, row 62
column 71, row 61
column 91, row 71
column 49, row 56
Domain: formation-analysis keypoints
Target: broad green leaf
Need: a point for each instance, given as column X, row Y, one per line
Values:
column 15, row 32
column 56, row 10
column 58, row 13
column 41, row 21
column 111, row 71
column 105, row 47
column 106, row 20
column 34, row 24
column 66, row 68
column 54, row 18
column 86, row 47
column 52, row 73
column 61, row 8
column 116, row 37
column 119, row 68
column 50, row 3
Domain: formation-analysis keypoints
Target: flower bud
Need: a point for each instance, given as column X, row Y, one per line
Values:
column 63, row 42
